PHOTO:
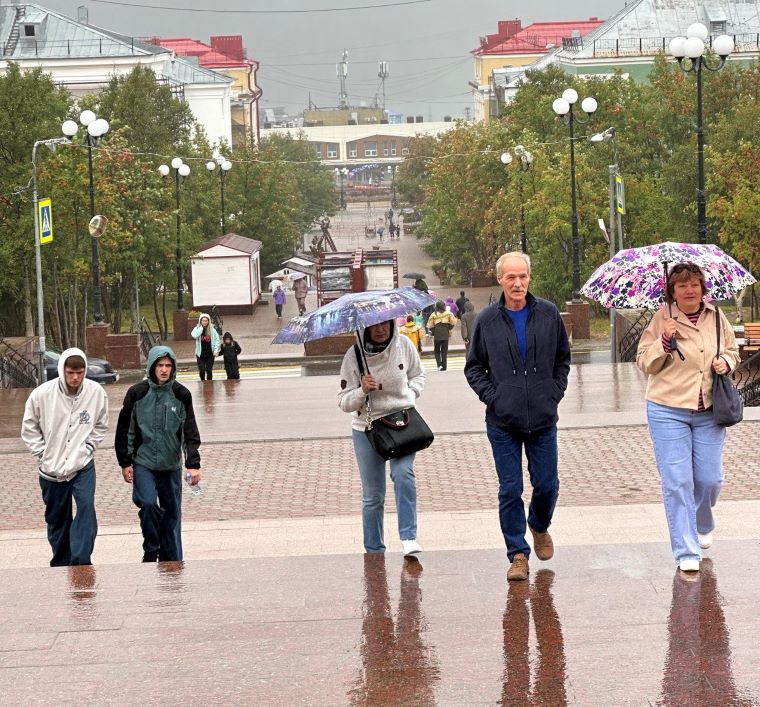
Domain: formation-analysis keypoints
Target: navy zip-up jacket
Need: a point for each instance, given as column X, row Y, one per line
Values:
column 519, row 396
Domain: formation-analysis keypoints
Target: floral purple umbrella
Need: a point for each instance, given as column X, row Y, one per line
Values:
column 635, row 277
column 352, row 312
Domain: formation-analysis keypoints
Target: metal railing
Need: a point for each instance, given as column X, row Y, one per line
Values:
column 147, row 338
column 746, row 377
column 16, row 371
column 629, row 343
column 649, row 46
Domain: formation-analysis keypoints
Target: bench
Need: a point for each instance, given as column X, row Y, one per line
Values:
column 751, row 339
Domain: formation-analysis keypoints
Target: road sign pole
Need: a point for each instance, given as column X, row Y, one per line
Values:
column 38, row 265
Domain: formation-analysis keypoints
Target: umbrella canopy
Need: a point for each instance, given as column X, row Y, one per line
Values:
column 351, row 312
column 293, row 275
column 635, row 277
column 413, row 276
column 274, row 284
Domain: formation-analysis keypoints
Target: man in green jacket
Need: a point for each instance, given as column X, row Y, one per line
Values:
column 156, row 429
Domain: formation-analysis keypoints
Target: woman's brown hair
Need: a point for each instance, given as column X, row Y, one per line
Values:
column 683, row 272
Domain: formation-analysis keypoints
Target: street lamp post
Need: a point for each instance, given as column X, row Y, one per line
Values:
column 563, row 107
column 181, row 170
column 392, row 171
column 609, row 136
column 224, row 167
column 96, row 128
column 341, row 174
column 689, row 52
column 524, row 164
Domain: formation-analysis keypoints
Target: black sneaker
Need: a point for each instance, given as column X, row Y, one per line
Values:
column 150, row 556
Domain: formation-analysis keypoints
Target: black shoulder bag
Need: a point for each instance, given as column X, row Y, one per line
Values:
column 398, row 434
column 727, row 405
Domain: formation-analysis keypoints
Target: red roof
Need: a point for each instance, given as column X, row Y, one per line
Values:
column 534, row 38
column 208, row 56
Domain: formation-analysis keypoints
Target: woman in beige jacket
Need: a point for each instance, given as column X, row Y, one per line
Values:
column 688, row 445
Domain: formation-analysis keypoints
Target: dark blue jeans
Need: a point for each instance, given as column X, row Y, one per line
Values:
column 541, row 450
column 72, row 537
column 158, row 495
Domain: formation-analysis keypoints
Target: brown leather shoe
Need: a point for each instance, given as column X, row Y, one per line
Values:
column 543, row 545
column 518, row 570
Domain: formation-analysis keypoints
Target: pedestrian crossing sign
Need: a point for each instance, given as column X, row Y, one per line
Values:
column 45, row 215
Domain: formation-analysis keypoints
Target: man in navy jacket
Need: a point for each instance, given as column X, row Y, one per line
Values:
column 518, row 364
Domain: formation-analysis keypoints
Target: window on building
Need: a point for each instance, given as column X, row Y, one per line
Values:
column 352, row 149
column 318, row 149
column 404, row 150
column 370, row 148
column 386, row 149
column 718, row 27
column 29, row 30
column 332, row 150
column 393, row 149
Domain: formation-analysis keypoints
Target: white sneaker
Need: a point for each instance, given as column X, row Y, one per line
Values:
column 705, row 540
column 411, row 547
column 689, row 565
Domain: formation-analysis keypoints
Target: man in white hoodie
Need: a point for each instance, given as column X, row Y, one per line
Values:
column 65, row 420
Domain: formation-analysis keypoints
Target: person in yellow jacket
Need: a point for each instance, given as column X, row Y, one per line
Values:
column 441, row 322
column 413, row 331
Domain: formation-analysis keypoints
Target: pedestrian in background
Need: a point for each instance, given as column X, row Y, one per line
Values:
column 279, row 299
column 394, row 378
column 64, row 421
column 206, row 346
column 300, row 290
column 413, row 332
column 452, row 307
column 440, row 323
column 460, row 303
column 518, row 365
column 467, row 325
column 151, row 456
column 420, row 284
column 230, row 350
column 688, row 445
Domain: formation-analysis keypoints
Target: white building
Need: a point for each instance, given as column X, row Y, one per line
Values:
column 226, row 272
column 84, row 58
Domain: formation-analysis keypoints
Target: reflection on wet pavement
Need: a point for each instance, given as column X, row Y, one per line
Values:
column 547, row 685
column 698, row 665
column 397, row 665
column 603, row 626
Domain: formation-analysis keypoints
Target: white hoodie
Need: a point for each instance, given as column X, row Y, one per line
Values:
column 397, row 368
column 62, row 431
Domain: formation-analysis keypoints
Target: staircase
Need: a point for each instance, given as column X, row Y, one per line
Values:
column 16, row 371
column 10, row 45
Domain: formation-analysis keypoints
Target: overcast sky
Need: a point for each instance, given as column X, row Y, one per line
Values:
column 426, row 43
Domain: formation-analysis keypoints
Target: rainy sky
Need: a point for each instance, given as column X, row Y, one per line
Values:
column 426, row 43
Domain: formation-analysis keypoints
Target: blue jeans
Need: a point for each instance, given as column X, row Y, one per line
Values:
column 688, row 447
column 372, row 471
column 158, row 495
column 541, row 450
column 72, row 537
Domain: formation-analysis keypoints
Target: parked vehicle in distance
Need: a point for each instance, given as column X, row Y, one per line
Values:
column 98, row 369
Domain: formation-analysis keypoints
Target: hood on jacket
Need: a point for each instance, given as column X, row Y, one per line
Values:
column 203, row 314
column 67, row 354
column 154, row 354
column 227, row 335
column 469, row 307
column 394, row 336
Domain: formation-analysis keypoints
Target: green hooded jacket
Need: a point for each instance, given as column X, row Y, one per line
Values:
column 156, row 425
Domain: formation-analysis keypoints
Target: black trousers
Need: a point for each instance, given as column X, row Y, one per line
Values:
column 205, row 367
column 441, row 349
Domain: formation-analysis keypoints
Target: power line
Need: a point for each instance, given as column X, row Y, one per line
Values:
column 372, row 61
column 261, row 12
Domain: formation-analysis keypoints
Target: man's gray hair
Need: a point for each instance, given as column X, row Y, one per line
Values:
column 513, row 254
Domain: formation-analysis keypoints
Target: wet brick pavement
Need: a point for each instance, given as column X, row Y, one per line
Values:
column 316, row 478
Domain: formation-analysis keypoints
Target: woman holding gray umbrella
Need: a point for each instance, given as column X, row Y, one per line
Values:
column 387, row 367
column 679, row 353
